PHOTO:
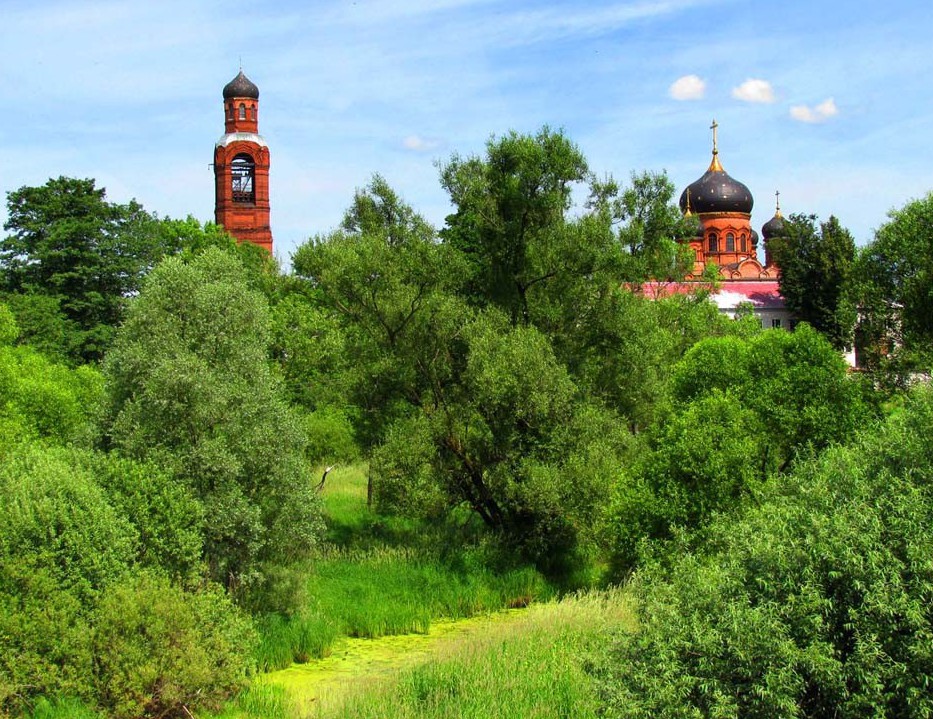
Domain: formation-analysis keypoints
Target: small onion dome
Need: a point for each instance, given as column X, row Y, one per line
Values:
column 755, row 238
column 241, row 86
column 773, row 227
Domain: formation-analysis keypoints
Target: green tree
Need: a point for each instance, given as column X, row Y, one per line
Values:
column 43, row 325
column 795, row 382
column 511, row 223
column 62, row 546
column 69, row 243
column 72, row 260
column 378, row 210
column 40, row 399
column 9, row 329
column 387, row 282
column 742, row 411
column 816, row 277
column 512, row 438
column 45, row 636
column 650, row 225
column 896, row 287
column 625, row 345
column 167, row 517
column 192, row 389
column 53, row 510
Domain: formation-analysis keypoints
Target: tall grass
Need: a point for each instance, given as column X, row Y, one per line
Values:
column 62, row 709
column 529, row 668
column 260, row 701
column 386, row 591
column 385, row 575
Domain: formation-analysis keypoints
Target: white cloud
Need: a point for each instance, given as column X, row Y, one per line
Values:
column 827, row 108
column 753, row 90
column 688, row 87
column 819, row 113
column 417, row 143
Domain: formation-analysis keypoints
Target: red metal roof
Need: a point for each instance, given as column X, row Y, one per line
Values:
column 764, row 294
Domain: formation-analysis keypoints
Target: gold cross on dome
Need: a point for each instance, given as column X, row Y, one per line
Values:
column 713, row 128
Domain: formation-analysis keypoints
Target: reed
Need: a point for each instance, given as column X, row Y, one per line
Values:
column 530, row 668
column 384, row 575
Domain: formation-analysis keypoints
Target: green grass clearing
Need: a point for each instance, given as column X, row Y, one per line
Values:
column 526, row 663
column 384, row 576
column 528, row 668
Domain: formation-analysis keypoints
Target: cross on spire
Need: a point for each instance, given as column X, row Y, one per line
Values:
column 777, row 202
column 715, row 165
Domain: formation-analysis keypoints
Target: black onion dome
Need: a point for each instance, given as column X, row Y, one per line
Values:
column 754, row 239
column 716, row 191
column 773, row 227
column 241, row 86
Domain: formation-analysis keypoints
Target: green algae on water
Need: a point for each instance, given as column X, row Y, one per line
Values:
column 355, row 661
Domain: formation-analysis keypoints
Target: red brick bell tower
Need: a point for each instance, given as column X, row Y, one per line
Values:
column 241, row 167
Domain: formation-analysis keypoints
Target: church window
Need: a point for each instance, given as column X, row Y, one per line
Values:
column 730, row 242
column 776, row 323
column 230, row 111
column 242, row 111
column 744, row 242
column 713, row 242
column 243, row 171
column 253, row 112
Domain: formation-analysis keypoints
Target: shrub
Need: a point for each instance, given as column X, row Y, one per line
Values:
column 56, row 514
column 709, row 458
column 159, row 649
column 402, row 471
column 814, row 604
column 743, row 411
column 9, row 329
column 167, row 517
column 41, row 399
column 45, row 638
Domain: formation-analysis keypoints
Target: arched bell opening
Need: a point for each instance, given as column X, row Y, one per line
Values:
column 243, row 172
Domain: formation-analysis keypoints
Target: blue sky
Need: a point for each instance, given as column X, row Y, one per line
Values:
column 830, row 102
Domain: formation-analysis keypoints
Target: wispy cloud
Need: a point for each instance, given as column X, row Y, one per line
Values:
column 688, row 87
column 416, row 143
column 818, row 113
column 378, row 11
column 563, row 21
column 754, row 90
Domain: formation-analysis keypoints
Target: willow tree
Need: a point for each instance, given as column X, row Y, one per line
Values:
column 192, row 389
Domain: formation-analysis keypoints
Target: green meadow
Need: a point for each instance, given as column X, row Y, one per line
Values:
column 384, row 576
